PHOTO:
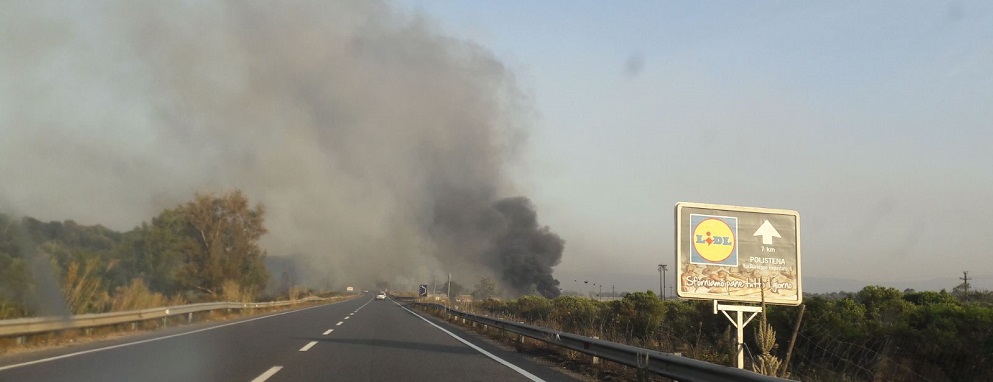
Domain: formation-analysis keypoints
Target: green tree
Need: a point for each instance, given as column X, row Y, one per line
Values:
column 929, row 297
column 579, row 315
column 639, row 314
column 534, row 309
column 154, row 252
column 873, row 295
column 224, row 244
column 15, row 286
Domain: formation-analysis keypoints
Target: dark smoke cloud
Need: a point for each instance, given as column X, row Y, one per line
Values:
column 526, row 251
column 378, row 145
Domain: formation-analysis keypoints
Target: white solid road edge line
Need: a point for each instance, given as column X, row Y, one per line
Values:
column 268, row 374
column 43, row 360
column 308, row 346
column 486, row 353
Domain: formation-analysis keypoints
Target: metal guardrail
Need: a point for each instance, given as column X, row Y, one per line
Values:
column 35, row 325
column 664, row 364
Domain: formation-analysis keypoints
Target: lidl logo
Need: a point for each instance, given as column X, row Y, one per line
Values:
column 715, row 240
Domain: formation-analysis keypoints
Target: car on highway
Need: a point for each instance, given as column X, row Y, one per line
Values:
column 381, row 296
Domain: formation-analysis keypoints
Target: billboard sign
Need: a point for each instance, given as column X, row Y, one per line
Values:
column 734, row 253
column 422, row 290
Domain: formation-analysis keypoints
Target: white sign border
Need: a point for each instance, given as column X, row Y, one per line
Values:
column 733, row 208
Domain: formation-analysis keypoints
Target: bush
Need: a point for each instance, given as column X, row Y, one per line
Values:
column 135, row 296
column 83, row 288
column 231, row 291
column 534, row 308
column 638, row 315
column 578, row 315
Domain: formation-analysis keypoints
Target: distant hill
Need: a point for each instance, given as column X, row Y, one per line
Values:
column 642, row 282
column 827, row 285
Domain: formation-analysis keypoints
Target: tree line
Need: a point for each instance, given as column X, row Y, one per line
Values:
column 877, row 333
column 204, row 250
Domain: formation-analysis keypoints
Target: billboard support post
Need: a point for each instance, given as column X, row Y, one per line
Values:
column 738, row 255
column 739, row 324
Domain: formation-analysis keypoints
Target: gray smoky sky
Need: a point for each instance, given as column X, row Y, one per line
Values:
column 379, row 145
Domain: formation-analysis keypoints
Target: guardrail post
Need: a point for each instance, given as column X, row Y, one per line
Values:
column 165, row 321
column 642, row 367
column 134, row 326
column 20, row 340
column 596, row 360
column 189, row 318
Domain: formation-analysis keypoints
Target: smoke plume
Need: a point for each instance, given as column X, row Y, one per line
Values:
column 379, row 146
column 526, row 251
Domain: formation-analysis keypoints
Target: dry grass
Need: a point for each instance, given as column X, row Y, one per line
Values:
column 295, row 293
column 8, row 310
column 83, row 288
column 136, row 295
column 231, row 291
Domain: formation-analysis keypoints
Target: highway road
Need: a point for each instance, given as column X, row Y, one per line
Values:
column 356, row 340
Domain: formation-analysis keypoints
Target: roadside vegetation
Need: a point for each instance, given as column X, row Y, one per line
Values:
column 876, row 334
column 204, row 250
column 207, row 250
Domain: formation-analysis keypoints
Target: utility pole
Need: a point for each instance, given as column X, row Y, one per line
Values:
column 965, row 285
column 664, row 273
column 662, row 270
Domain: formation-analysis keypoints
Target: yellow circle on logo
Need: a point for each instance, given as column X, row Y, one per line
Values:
column 714, row 240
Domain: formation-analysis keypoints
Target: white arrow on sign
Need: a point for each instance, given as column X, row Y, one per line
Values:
column 767, row 231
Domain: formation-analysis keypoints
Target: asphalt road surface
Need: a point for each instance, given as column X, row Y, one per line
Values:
column 356, row 340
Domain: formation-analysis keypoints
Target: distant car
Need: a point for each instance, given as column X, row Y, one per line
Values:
column 381, row 296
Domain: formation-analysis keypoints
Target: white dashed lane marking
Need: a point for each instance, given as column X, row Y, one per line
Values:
column 328, row 332
column 64, row 356
column 269, row 373
column 308, row 346
column 339, row 323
